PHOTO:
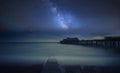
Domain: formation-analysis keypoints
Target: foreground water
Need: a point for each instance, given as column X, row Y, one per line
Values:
column 35, row 53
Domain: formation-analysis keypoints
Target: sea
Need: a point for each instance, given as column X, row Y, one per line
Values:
column 28, row 53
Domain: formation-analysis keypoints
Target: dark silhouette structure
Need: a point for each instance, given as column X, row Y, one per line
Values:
column 70, row 41
column 107, row 42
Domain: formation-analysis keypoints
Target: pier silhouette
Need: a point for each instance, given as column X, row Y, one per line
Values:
column 107, row 42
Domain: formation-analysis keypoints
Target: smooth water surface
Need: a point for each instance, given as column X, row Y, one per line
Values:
column 33, row 53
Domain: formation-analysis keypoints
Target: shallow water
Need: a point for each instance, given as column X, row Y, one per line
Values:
column 35, row 53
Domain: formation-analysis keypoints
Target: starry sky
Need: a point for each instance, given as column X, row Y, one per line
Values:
column 59, row 18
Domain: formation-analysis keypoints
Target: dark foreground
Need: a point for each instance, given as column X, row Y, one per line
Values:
column 52, row 66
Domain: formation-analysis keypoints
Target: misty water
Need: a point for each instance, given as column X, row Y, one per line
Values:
column 35, row 53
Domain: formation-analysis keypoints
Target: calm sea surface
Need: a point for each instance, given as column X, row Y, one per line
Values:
column 35, row 53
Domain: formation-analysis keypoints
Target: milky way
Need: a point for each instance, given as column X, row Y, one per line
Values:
column 60, row 19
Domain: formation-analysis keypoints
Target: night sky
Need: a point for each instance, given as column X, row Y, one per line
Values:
column 57, row 18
